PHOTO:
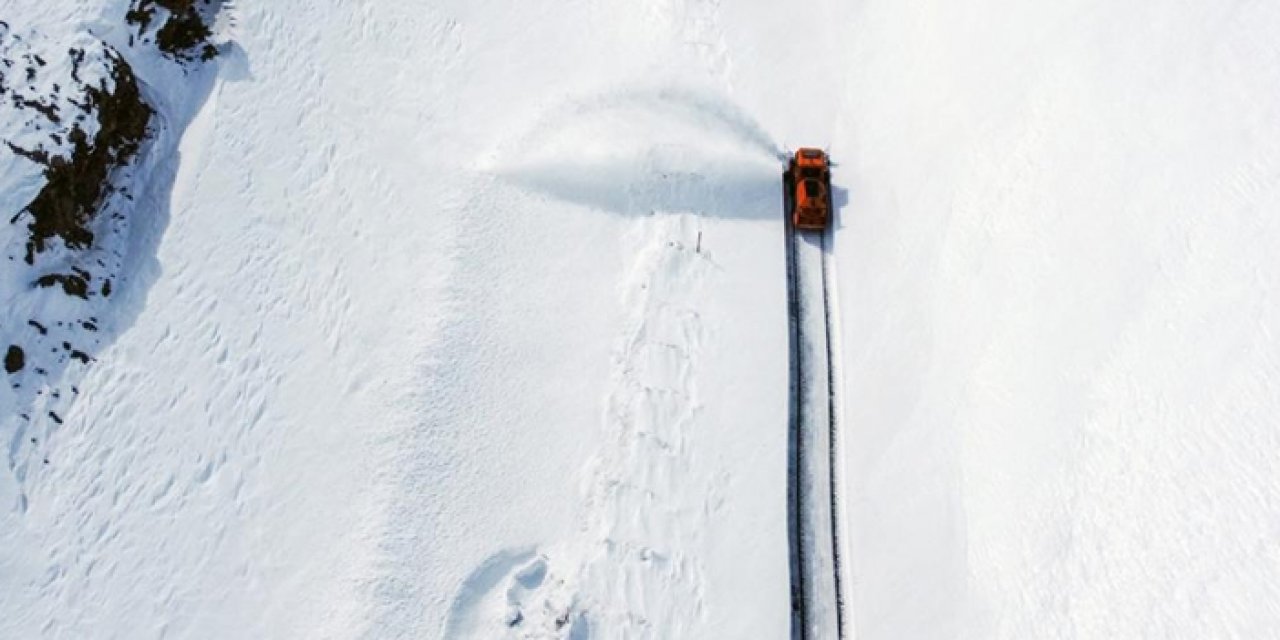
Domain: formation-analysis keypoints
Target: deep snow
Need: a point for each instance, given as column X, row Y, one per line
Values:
column 468, row 319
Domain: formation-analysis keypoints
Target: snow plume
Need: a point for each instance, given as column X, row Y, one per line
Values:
column 634, row 152
column 711, row 112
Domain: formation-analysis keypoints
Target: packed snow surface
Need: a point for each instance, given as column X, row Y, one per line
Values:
column 467, row 319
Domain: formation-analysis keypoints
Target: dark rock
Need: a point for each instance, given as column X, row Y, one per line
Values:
column 76, row 184
column 185, row 34
column 15, row 359
column 72, row 284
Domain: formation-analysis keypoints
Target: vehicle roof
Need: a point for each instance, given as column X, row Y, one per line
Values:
column 811, row 157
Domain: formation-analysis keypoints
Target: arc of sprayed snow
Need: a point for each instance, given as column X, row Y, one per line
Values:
column 704, row 107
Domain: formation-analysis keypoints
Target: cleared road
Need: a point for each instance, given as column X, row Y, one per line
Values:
column 816, row 593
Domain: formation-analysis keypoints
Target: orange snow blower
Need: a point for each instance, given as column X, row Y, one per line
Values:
column 808, row 185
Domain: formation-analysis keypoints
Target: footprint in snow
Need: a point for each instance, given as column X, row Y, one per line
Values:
column 515, row 594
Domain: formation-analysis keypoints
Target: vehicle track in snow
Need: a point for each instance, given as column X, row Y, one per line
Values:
column 812, row 491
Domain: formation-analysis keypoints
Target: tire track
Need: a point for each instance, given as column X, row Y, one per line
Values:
column 816, row 593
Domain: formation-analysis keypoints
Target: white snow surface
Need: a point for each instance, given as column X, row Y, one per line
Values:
column 467, row 319
column 1058, row 287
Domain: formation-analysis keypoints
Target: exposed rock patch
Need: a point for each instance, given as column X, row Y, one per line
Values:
column 14, row 359
column 77, row 183
column 77, row 138
column 185, row 29
column 73, row 284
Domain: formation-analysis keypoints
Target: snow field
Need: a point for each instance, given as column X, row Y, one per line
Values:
column 622, row 179
column 412, row 352
column 198, row 491
column 656, row 490
column 468, row 320
column 1056, row 359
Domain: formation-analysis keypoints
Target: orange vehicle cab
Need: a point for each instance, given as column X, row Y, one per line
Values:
column 808, row 182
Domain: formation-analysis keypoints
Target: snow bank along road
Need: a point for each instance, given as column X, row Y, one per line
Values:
column 817, row 606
